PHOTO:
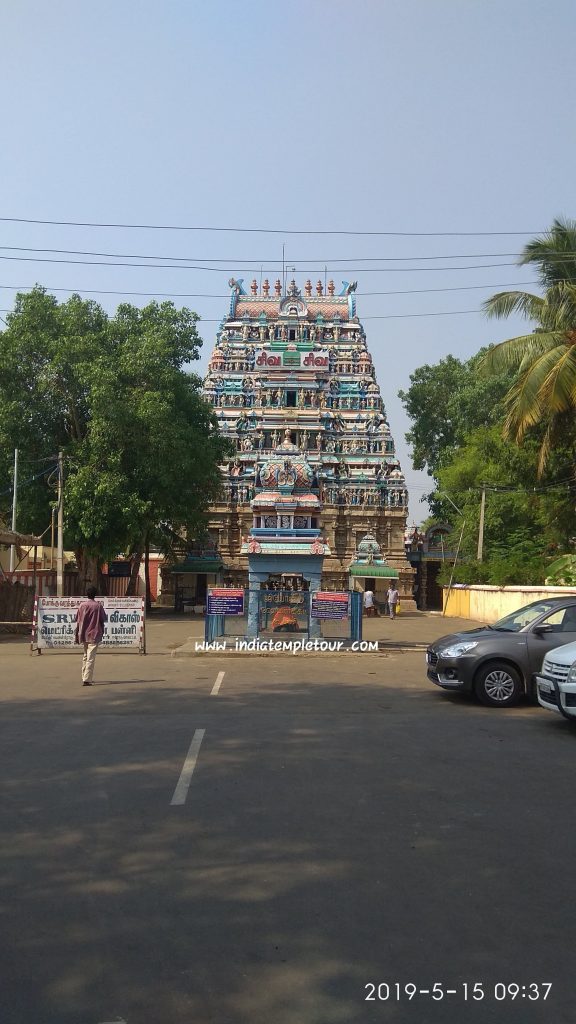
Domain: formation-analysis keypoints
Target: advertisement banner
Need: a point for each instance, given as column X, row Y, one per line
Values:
column 223, row 601
column 328, row 604
column 55, row 622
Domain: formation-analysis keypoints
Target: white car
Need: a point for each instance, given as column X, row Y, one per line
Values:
column 556, row 682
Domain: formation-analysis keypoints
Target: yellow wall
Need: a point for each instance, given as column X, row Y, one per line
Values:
column 487, row 604
column 457, row 603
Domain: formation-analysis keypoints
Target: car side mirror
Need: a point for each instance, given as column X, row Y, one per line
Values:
column 544, row 628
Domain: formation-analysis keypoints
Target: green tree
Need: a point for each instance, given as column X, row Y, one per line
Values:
column 545, row 388
column 141, row 445
column 445, row 401
column 525, row 525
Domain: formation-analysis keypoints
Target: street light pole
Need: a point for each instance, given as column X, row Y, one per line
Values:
column 14, row 508
column 60, row 540
column 481, row 526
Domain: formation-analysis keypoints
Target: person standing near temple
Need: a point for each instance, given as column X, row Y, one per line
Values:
column 393, row 600
column 89, row 632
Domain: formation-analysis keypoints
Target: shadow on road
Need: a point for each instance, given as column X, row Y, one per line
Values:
column 333, row 835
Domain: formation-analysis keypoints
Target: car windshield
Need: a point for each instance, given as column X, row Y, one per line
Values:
column 524, row 616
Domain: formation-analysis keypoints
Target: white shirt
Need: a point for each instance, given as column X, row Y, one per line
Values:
column 368, row 599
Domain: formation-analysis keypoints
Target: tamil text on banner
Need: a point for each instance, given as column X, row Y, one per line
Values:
column 55, row 621
column 224, row 601
column 327, row 604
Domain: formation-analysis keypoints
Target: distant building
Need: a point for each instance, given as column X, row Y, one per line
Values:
column 428, row 553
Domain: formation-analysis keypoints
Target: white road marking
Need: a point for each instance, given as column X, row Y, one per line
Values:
column 183, row 784
column 217, row 684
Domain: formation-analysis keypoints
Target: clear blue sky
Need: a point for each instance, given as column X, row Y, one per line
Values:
column 398, row 115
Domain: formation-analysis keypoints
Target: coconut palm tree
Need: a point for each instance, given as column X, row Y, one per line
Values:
column 545, row 388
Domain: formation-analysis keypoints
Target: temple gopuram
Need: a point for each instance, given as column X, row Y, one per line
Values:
column 293, row 386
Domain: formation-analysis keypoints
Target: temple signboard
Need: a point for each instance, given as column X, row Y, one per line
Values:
column 225, row 601
column 328, row 604
column 292, row 358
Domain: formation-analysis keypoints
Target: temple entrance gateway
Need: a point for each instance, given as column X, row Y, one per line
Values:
column 293, row 387
column 284, row 615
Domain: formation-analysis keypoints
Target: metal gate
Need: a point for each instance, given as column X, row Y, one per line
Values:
column 285, row 614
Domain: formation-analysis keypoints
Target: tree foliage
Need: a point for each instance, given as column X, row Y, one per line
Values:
column 457, row 434
column 545, row 388
column 445, row 401
column 527, row 521
column 141, row 445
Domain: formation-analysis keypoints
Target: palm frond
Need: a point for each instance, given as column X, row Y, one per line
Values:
column 561, row 303
column 515, row 352
column 559, row 388
column 503, row 304
column 553, row 253
column 526, row 400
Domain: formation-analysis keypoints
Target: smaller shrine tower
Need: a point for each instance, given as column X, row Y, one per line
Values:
column 285, row 548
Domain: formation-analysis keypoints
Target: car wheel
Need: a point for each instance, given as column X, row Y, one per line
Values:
column 498, row 685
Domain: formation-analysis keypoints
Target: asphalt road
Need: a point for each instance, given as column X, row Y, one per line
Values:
column 345, row 825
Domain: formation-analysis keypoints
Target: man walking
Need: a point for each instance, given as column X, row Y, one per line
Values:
column 393, row 599
column 369, row 603
column 89, row 632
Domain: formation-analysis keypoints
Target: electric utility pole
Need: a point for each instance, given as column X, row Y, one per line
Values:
column 60, row 539
column 481, row 526
column 14, row 507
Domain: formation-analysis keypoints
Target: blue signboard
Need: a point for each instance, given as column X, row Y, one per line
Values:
column 223, row 601
column 327, row 604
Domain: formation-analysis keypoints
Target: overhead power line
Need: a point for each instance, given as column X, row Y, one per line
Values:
column 565, row 484
column 30, row 480
column 240, row 270
column 387, row 316
column 561, row 485
column 218, row 295
column 267, row 231
column 271, row 262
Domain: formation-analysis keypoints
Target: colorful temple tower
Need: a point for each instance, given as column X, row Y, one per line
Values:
column 291, row 379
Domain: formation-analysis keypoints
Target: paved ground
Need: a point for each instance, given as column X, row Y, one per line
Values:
column 346, row 823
